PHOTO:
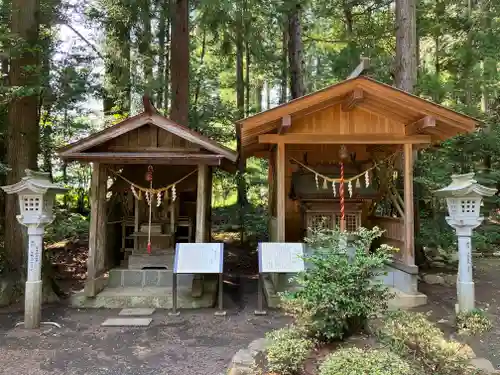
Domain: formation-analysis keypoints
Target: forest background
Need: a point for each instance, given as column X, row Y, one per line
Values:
column 71, row 68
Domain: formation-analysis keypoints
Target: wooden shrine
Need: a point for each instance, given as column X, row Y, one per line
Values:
column 368, row 131
column 151, row 188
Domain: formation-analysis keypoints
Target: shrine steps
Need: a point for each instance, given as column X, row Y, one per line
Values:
column 125, row 277
column 149, row 296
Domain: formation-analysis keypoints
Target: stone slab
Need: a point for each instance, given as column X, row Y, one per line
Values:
column 127, row 322
column 139, row 311
column 150, row 297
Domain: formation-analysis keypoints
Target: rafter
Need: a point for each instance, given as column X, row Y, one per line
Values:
column 286, row 122
column 421, row 126
column 352, row 99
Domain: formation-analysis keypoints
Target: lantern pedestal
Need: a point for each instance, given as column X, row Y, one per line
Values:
column 33, row 292
column 465, row 283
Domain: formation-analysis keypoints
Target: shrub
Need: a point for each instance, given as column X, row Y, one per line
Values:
column 473, row 323
column 287, row 350
column 338, row 291
column 413, row 335
column 67, row 226
column 354, row 361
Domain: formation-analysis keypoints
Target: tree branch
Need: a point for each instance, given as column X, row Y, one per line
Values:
column 94, row 48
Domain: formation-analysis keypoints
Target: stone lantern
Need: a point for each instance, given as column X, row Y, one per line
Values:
column 464, row 198
column 36, row 195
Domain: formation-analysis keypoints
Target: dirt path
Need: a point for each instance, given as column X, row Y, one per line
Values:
column 196, row 344
column 442, row 301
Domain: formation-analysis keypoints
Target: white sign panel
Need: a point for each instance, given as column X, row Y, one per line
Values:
column 281, row 257
column 199, row 258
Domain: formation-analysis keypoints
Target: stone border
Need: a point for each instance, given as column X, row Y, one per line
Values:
column 245, row 360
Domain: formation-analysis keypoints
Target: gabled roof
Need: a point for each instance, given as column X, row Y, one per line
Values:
column 378, row 96
column 152, row 117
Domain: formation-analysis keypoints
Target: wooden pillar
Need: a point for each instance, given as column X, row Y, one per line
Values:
column 136, row 224
column 97, row 233
column 281, row 192
column 208, row 222
column 409, row 249
column 201, row 203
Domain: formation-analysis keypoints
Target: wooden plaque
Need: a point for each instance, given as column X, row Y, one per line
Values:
column 281, row 257
column 199, row 258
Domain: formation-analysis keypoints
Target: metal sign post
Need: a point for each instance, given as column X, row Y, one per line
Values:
column 195, row 259
column 278, row 258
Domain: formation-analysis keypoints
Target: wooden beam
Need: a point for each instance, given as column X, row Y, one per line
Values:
column 286, row 122
column 421, row 126
column 344, row 139
column 409, row 247
column 352, row 99
column 173, row 158
column 201, row 203
column 281, row 192
column 361, row 68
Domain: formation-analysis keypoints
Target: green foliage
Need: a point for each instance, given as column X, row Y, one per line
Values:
column 414, row 336
column 287, row 350
column 354, row 361
column 339, row 292
column 67, row 226
column 473, row 323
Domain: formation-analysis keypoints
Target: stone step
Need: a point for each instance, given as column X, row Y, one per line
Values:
column 121, row 277
column 138, row 262
column 150, row 297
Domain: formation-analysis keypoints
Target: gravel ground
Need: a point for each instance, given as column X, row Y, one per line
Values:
column 195, row 343
column 442, row 301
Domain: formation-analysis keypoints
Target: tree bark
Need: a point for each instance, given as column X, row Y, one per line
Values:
column 284, row 65
column 162, row 38
column 295, row 53
column 23, row 129
column 166, row 89
column 145, row 47
column 406, row 45
column 179, row 64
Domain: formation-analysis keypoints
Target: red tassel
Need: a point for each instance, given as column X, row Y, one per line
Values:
column 149, row 247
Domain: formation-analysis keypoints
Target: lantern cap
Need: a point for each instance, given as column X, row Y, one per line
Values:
column 464, row 185
column 37, row 182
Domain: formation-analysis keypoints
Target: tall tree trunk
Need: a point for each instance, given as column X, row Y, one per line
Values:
column 259, row 88
column 162, row 38
column 23, row 129
column 295, row 53
column 240, row 104
column 406, row 45
column 166, row 91
column 284, row 65
column 247, row 73
column 145, row 47
column 179, row 64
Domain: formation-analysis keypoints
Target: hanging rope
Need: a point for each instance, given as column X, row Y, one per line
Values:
column 149, row 177
column 346, row 180
column 150, row 189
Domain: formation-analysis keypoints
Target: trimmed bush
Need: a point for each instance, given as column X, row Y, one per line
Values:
column 473, row 323
column 287, row 351
column 413, row 335
column 354, row 361
column 341, row 289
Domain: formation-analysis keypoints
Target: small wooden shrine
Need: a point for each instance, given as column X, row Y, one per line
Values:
column 343, row 156
column 151, row 188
